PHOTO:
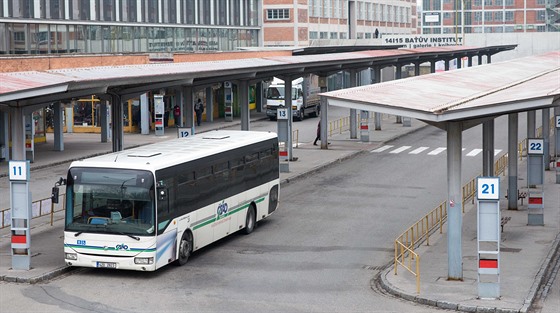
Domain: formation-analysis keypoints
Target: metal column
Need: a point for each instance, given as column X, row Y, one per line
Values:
column 546, row 137
column 398, row 75
column 454, row 202
column 324, row 113
column 243, row 89
column 209, row 104
column 376, row 80
column 513, row 129
column 117, row 122
column 353, row 123
column 17, row 125
column 488, row 148
column 188, row 106
column 531, row 122
column 104, row 121
column 144, row 115
column 58, row 127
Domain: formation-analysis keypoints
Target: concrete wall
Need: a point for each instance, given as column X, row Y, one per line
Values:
column 53, row 62
column 528, row 43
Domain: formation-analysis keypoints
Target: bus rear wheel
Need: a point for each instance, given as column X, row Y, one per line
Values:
column 250, row 220
column 185, row 248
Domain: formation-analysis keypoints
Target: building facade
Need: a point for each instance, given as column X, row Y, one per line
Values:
column 308, row 22
column 489, row 16
column 127, row 26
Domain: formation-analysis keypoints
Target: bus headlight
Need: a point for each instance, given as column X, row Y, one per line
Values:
column 144, row 260
column 70, row 256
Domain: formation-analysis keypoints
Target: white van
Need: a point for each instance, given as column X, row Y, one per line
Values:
column 304, row 102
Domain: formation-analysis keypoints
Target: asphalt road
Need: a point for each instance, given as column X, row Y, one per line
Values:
column 319, row 252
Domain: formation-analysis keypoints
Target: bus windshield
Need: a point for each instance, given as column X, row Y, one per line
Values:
column 114, row 201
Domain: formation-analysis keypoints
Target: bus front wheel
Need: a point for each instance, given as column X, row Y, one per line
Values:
column 250, row 220
column 185, row 248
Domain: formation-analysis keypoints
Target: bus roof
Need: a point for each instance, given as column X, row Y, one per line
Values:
column 174, row 151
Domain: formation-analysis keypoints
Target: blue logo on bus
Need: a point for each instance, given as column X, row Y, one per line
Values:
column 222, row 209
column 81, row 242
column 121, row 247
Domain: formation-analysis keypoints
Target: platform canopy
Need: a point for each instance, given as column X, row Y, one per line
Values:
column 482, row 91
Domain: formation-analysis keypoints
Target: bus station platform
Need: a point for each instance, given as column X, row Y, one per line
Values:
column 528, row 253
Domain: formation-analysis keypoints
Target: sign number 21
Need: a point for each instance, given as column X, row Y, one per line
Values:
column 488, row 188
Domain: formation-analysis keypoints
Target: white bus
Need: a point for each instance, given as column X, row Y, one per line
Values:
column 143, row 208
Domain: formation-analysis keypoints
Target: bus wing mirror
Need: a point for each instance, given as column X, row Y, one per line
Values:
column 54, row 195
column 55, row 189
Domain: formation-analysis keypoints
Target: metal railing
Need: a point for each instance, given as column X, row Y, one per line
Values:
column 38, row 208
column 414, row 236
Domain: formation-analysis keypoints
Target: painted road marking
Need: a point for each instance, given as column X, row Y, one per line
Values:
column 437, row 151
column 381, row 149
column 401, row 149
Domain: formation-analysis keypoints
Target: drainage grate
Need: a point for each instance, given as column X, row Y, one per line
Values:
column 513, row 250
column 372, row 268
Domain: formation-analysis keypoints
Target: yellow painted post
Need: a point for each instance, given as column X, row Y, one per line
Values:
column 418, row 274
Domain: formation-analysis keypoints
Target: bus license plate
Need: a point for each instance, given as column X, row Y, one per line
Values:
column 107, row 264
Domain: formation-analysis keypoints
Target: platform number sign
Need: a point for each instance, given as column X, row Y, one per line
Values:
column 488, row 188
column 557, row 121
column 535, row 146
column 19, row 170
column 282, row 114
column 183, row 132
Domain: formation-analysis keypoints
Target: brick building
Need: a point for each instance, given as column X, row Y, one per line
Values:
column 318, row 20
column 489, row 16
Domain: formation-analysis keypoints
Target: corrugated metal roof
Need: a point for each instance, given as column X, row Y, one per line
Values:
column 17, row 86
column 496, row 88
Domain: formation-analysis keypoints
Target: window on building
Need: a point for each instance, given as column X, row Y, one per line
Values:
column 334, row 35
column 541, row 2
column 477, row 3
column 478, row 16
column 343, row 36
column 368, row 35
column 498, row 16
column 151, row 11
column 509, row 16
column 313, row 35
column 108, row 8
column 323, row 35
column 541, row 15
column 278, row 14
column 488, row 16
column 499, row 2
column 488, row 2
column 509, row 29
column 327, row 9
column 446, row 15
column 509, row 3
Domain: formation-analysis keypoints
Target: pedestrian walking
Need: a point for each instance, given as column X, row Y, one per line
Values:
column 318, row 133
column 198, row 109
column 177, row 115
